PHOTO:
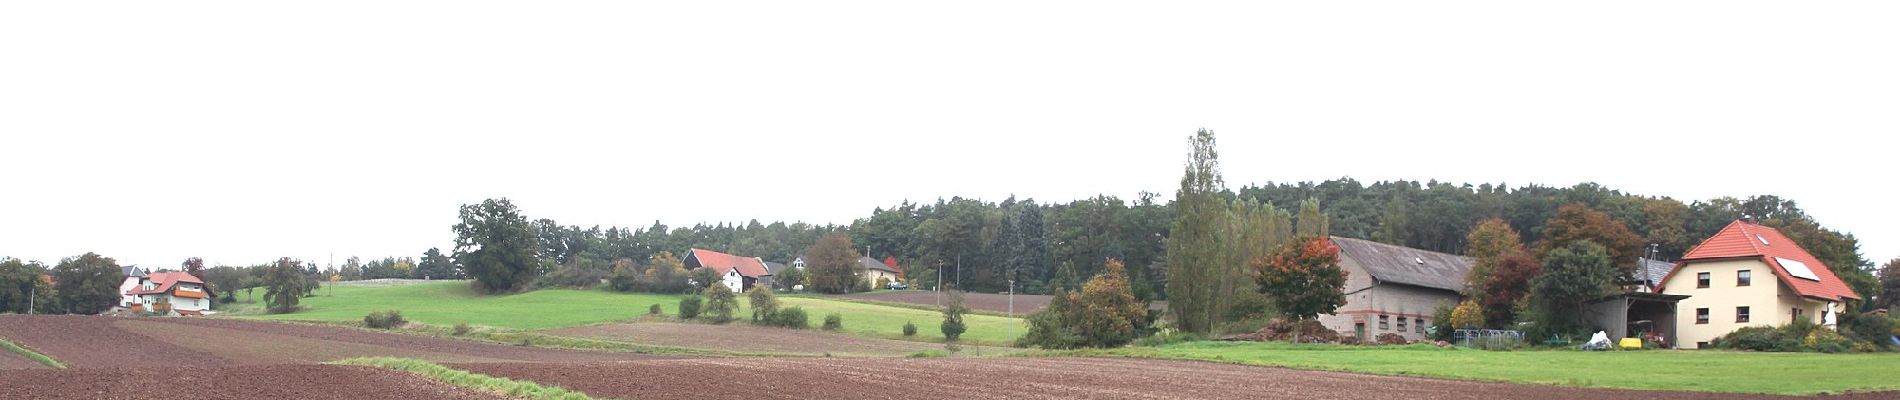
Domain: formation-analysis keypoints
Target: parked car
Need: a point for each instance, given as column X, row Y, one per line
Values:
column 894, row 285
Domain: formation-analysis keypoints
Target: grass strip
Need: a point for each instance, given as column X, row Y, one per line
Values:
column 456, row 377
column 32, row 355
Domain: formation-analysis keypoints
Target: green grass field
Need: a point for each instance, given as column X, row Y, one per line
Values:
column 1706, row 371
column 448, row 303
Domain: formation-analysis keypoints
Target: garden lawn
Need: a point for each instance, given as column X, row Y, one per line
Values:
column 1705, row 370
column 448, row 303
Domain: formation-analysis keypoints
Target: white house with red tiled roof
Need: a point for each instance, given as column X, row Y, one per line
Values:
column 1750, row 275
column 133, row 274
column 185, row 294
column 735, row 272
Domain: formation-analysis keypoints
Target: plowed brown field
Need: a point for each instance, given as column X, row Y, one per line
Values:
column 1017, row 378
column 253, row 382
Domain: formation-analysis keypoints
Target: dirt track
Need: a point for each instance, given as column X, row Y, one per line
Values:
column 253, row 382
column 1016, row 378
column 744, row 338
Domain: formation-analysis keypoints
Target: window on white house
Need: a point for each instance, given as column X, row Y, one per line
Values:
column 1744, row 277
column 1702, row 280
column 1701, row 316
column 1741, row 314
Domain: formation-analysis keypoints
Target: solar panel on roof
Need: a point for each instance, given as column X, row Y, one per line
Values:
column 1798, row 269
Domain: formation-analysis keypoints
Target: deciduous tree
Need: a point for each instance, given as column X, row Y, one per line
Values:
column 88, row 283
column 833, row 265
column 1577, row 222
column 284, row 285
column 1302, row 278
column 496, row 246
column 1197, row 250
column 1576, row 273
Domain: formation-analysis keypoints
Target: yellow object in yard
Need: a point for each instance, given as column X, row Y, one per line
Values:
column 1630, row 343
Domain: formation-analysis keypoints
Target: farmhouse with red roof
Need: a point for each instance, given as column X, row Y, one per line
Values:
column 735, row 272
column 1751, row 275
column 178, row 292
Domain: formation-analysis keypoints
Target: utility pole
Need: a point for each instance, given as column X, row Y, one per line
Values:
column 1012, row 305
column 31, row 295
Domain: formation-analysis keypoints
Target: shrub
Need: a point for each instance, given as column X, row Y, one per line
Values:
column 580, row 274
column 790, row 317
column 689, row 306
column 655, row 309
column 720, row 303
column 953, row 311
column 910, row 329
column 384, row 319
column 1468, row 315
column 461, row 328
column 1441, row 329
column 1826, row 341
column 833, row 321
column 764, row 304
column 1868, row 328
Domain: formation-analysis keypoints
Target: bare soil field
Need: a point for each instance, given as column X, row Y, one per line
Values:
column 1025, row 303
column 107, row 342
column 745, row 338
column 1018, row 378
column 8, row 360
column 252, row 382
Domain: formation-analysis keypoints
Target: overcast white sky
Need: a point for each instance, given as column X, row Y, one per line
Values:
column 241, row 131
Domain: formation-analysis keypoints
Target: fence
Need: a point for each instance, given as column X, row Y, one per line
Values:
column 1487, row 338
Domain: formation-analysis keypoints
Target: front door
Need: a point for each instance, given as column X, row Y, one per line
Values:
column 1359, row 330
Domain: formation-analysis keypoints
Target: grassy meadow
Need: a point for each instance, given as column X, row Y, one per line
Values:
column 448, row 303
column 1685, row 370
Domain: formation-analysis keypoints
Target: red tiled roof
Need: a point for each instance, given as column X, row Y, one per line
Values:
column 165, row 280
column 722, row 262
column 1745, row 240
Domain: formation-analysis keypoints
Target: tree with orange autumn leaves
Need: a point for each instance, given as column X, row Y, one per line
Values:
column 1302, row 277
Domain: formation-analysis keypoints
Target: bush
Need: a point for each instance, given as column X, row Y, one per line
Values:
column 910, row 329
column 763, row 302
column 461, row 328
column 580, row 274
column 720, row 303
column 1801, row 335
column 1868, row 328
column 384, row 319
column 1441, row 329
column 689, row 306
column 953, row 310
column 1826, row 341
column 833, row 321
column 790, row 317
column 655, row 310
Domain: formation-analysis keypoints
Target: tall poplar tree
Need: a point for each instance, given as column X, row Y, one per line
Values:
column 1197, row 245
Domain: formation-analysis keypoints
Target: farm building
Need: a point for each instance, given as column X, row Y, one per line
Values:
column 737, row 273
column 1641, row 310
column 182, row 293
column 1393, row 289
column 133, row 274
column 771, row 274
column 1719, row 276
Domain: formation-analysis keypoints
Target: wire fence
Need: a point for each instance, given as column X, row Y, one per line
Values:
column 1487, row 338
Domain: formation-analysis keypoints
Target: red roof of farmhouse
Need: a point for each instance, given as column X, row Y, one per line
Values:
column 165, row 281
column 722, row 262
column 1743, row 240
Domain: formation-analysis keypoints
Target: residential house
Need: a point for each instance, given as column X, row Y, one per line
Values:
column 874, row 269
column 1393, row 289
column 1751, row 275
column 183, row 293
column 133, row 274
column 735, row 272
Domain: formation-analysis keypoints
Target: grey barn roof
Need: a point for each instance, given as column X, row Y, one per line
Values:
column 773, row 268
column 1405, row 265
column 872, row 263
column 1656, row 269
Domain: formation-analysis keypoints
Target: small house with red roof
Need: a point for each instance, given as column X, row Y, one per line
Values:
column 179, row 292
column 1750, row 275
column 735, row 272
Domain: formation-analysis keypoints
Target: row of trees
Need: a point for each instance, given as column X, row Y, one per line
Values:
column 83, row 284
